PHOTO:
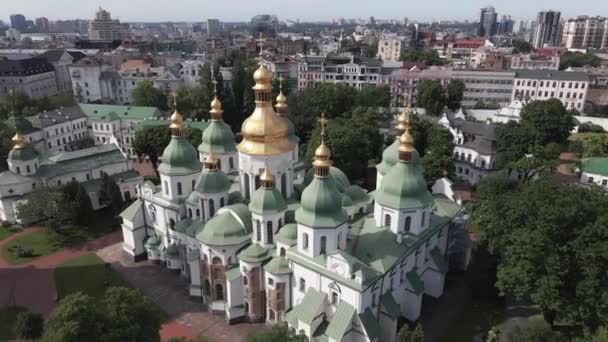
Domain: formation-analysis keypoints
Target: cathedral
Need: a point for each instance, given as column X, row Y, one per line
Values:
column 259, row 240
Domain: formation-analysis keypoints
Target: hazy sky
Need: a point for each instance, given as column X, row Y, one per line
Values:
column 305, row 10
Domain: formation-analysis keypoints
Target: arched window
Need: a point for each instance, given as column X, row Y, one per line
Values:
column 387, row 220
column 245, row 281
column 231, row 163
column 152, row 210
column 271, row 315
column 193, row 184
column 219, row 164
column 282, row 252
column 189, row 212
column 339, row 243
column 216, row 261
column 247, row 190
column 284, row 184
column 211, row 207
column 408, row 223
column 166, row 186
column 179, row 188
column 302, row 285
column 222, row 202
column 323, row 248
column 334, row 298
column 207, row 288
column 258, row 230
column 203, row 207
column 219, row 292
column 423, row 218
column 198, row 213
column 246, row 307
column 257, row 182
column 305, row 241
column 280, row 223
column 269, row 232
column 171, row 223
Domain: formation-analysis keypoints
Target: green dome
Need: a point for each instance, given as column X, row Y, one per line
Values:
column 265, row 200
column 212, row 182
column 225, row 229
column 179, row 158
column 193, row 198
column 255, row 253
column 346, row 201
column 152, row 242
column 339, row 177
column 288, row 234
column 172, row 251
column 278, row 266
column 217, row 138
column 356, row 193
column 22, row 154
column 404, row 187
column 390, row 157
column 321, row 204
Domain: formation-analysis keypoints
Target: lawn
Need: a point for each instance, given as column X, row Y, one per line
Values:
column 7, row 231
column 476, row 319
column 8, row 316
column 88, row 274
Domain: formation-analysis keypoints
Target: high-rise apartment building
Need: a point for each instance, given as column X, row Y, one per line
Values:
column 42, row 24
column 390, row 48
column 18, row 22
column 585, row 33
column 213, row 26
column 103, row 28
column 547, row 31
column 487, row 22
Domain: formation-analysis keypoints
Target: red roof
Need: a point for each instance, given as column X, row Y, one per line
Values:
column 548, row 51
column 473, row 43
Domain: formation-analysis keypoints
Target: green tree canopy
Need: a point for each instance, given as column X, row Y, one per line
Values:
column 455, row 94
column 431, row 97
column 47, row 206
column 410, row 335
column 578, row 59
column 78, row 199
column 435, row 144
column 145, row 94
column 29, row 325
column 76, row 318
column 535, row 331
column 428, row 56
column 110, row 194
column 548, row 121
column 522, row 46
column 130, row 316
column 595, row 146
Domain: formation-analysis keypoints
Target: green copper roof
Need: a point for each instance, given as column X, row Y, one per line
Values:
column 255, row 253
column 233, row 273
column 278, row 266
column 132, row 210
column 22, row 154
column 112, row 112
column 172, row 250
column 288, row 234
column 390, row 305
column 217, row 138
column 415, row 281
column 346, row 200
column 341, row 321
column 597, row 166
column 356, row 193
column 231, row 227
column 202, row 125
column 321, row 205
column 179, row 158
column 267, row 200
column 212, row 182
column 20, row 124
column 404, row 187
column 390, row 157
column 194, row 198
column 372, row 328
column 339, row 177
column 308, row 308
column 152, row 241
column 439, row 260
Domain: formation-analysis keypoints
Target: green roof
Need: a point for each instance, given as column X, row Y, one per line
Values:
column 152, row 241
column 179, row 158
column 132, row 210
column 81, row 160
column 346, row 200
column 596, row 166
column 217, row 138
column 390, row 157
column 201, row 125
column 341, row 321
column 267, row 200
column 22, row 154
column 233, row 273
column 356, row 193
column 278, row 266
column 404, row 187
column 212, row 182
column 391, row 306
column 415, row 281
column 339, row 177
column 113, row 112
column 372, row 328
column 308, row 308
column 172, row 250
column 231, row 227
column 439, row 260
column 288, row 234
column 321, row 205
column 255, row 253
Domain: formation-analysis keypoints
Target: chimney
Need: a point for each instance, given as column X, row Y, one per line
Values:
column 399, row 238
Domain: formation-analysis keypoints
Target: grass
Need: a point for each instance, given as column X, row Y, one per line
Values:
column 8, row 317
column 477, row 318
column 88, row 274
column 584, row 136
column 7, row 231
column 47, row 241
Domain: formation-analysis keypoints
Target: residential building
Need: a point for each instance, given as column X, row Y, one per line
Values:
column 190, row 71
column 594, row 171
column 404, row 82
column 35, row 77
column 85, row 75
column 485, row 58
column 104, row 28
column 42, row 24
column 55, row 131
column 352, row 71
column 487, row 88
column 213, row 27
column 269, row 259
column 390, row 49
column 547, row 31
column 585, row 33
column 285, row 67
column 18, row 22
column 487, row 22
column 567, row 86
column 61, row 61
column 533, row 61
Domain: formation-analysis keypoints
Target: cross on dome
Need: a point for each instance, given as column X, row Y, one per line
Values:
column 261, row 41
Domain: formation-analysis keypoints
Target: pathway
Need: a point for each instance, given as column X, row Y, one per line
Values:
column 31, row 284
column 170, row 291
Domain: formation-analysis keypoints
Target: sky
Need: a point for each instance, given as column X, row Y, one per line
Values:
column 304, row 10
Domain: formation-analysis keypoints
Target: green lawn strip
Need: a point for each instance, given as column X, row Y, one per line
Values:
column 7, row 231
column 40, row 243
column 8, row 317
column 476, row 318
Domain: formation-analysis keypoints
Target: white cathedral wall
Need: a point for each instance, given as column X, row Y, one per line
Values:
column 378, row 179
column 226, row 253
column 196, row 287
column 169, row 185
column 224, row 161
column 253, row 165
column 134, row 233
column 433, row 282
column 10, row 190
column 264, row 219
column 217, row 204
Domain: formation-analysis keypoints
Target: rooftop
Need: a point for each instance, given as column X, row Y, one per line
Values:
column 553, row 75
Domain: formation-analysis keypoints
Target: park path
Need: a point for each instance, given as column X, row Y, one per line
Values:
column 31, row 284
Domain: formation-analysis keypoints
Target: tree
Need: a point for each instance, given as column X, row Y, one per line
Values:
column 435, row 144
column 578, row 59
column 76, row 196
column 548, row 121
column 29, row 325
column 371, row 50
column 110, row 194
column 535, row 330
column 47, row 206
column 552, row 244
column 130, row 316
column 601, row 335
column 278, row 333
column 595, row 146
column 428, row 57
column 521, row 46
column 6, row 144
column 455, row 94
column 408, row 335
column 185, row 102
column 144, row 94
column 431, row 97
column 512, row 143
column 76, row 318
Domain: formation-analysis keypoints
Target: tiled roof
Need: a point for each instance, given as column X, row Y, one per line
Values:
column 341, row 321
column 553, row 75
column 55, row 117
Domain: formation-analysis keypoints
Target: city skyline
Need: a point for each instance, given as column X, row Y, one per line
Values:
column 164, row 10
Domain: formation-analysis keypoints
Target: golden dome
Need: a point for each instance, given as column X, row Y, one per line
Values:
column 266, row 177
column 262, row 75
column 216, row 109
column 176, row 120
column 281, row 105
column 265, row 133
column 404, row 120
column 18, row 141
column 322, row 153
column 406, row 142
column 211, row 162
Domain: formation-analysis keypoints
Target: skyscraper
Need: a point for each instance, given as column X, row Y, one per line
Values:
column 103, row 28
column 546, row 31
column 18, row 22
column 213, row 26
column 585, row 33
column 487, row 22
